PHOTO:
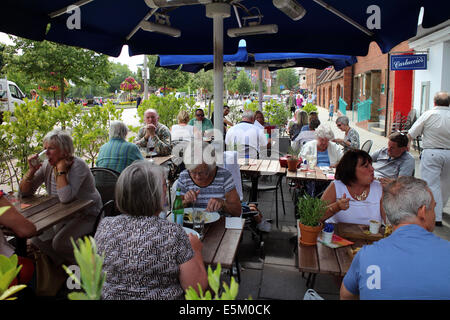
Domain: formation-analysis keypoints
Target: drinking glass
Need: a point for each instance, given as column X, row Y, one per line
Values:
column 150, row 148
column 198, row 221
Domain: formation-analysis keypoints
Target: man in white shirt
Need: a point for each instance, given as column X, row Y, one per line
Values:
column 434, row 125
column 246, row 137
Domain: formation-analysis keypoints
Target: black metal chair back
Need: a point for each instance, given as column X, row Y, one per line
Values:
column 367, row 146
column 105, row 182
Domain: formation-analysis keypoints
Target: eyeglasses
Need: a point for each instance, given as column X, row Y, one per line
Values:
column 199, row 115
column 198, row 174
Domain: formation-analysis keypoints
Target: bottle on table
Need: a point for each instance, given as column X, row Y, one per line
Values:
column 178, row 209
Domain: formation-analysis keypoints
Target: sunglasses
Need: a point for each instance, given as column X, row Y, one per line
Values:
column 199, row 115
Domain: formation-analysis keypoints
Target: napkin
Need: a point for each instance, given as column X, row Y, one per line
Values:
column 233, row 223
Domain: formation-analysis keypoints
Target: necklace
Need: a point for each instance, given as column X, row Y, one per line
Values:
column 362, row 196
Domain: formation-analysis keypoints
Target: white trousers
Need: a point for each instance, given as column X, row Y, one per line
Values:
column 435, row 170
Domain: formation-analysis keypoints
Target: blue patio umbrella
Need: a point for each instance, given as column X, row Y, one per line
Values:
column 273, row 61
column 328, row 26
column 198, row 26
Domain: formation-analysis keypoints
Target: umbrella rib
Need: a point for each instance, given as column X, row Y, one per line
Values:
column 343, row 16
column 57, row 13
column 135, row 29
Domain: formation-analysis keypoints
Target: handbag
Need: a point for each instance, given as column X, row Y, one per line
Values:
column 49, row 277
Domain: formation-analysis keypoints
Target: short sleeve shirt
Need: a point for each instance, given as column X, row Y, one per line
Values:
column 142, row 257
column 411, row 263
column 222, row 184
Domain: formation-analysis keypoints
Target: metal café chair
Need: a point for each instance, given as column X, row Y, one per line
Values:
column 367, row 146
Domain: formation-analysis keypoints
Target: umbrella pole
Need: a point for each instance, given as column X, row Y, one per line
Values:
column 260, row 89
column 218, row 11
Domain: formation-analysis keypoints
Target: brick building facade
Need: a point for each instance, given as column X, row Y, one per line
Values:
column 368, row 78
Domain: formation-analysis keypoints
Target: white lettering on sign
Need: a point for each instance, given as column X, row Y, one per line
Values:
column 409, row 61
column 74, row 20
column 373, row 21
column 373, row 281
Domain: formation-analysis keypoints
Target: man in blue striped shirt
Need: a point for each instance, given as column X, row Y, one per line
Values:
column 117, row 153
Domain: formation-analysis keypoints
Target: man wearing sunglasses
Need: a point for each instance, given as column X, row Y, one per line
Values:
column 201, row 122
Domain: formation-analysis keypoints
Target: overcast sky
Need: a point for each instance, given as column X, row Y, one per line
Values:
column 124, row 58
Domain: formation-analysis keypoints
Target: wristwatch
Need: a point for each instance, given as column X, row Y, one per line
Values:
column 60, row 173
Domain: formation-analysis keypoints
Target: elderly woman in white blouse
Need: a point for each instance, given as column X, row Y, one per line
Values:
column 325, row 152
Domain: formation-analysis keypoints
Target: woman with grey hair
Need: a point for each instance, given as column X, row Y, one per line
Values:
column 69, row 178
column 325, row 152
column 147, row 257
column 206, row 185
column 351, row 138
column 117, row 154
column 320, row 152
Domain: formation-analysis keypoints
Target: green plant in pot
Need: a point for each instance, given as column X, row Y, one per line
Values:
column 293, row 159
column 310, row 211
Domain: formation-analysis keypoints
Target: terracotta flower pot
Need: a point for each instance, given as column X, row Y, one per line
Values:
column 292, row 164
column 309, row 234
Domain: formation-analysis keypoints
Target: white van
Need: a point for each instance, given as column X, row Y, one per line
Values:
column 9, row 94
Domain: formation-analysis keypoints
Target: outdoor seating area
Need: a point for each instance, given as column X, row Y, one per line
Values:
column 262, row 150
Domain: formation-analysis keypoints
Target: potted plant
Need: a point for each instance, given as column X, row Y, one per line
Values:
column 310, row 210
column 292, row 159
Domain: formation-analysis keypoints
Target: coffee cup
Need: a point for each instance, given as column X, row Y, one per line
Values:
column 374, row 226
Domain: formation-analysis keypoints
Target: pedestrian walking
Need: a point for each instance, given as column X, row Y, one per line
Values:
column 331, row 111
column 434, row 126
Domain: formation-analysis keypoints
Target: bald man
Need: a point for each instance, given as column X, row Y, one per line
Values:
column 154, row 133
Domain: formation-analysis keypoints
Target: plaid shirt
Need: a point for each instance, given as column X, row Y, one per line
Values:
column 117, row 154
column 162, row 140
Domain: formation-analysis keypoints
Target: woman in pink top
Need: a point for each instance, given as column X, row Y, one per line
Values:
column 355, row 196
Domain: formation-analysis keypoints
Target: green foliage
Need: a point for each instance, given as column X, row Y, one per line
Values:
column 45, row 61
column 287, row 77
column 242, row 83
column 8, row 272
column 166, row 78
column 309, row 107
column 167, row 107
column 276, row 114
column 229, row 292
column 91, row 131
column 293, row 152
column 22, row 135
column 311, row 210
column 90, row 263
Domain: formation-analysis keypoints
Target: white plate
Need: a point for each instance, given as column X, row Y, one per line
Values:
column 189, row 230
column 210, row 217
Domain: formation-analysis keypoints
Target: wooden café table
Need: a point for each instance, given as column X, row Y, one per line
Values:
column 321, row 259
column 258, row 167
column 45, row 212
column 220, row 244
column 316, row 174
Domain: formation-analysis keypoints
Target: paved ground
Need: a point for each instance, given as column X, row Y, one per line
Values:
column 276, row 275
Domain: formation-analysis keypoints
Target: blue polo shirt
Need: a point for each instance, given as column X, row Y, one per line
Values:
column 411, row 263
column 117, row 154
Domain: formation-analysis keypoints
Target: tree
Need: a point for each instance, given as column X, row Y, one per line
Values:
column 119, row 72
column 44, row 61
column 287, row 77
column 166, row 78
column 243, row 84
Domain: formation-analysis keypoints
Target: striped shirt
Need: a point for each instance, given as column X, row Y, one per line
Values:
column 218, row 188
column 117, row 154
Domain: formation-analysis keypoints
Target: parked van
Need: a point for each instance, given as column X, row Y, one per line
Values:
column 9, row 94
